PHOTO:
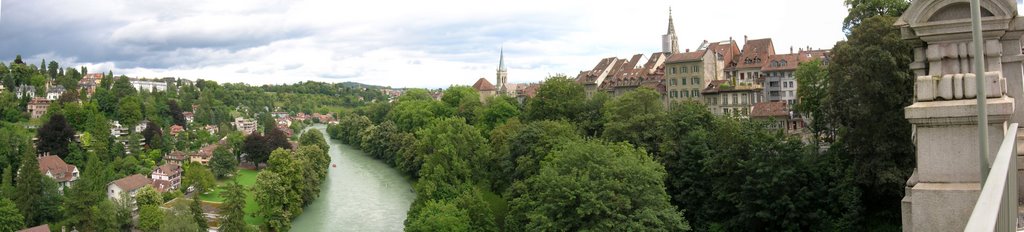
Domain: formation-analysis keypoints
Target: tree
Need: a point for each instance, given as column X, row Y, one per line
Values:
column 276, row 139
column 531, row 145
column 10, row 216
column 9, row 107
column 464, row 100
column 415, row 94
column 350, row 128
column 52, row 69
column 175, row 112
column 196, row 210
column 122, row 87
column 233, row 208
column 54, row 136
column 861, row 10
column 592, row 119
column 198, row 177
column 559, row 98
column 315, row 138
column 150, row 218
column 27, row 192
column 104, row 217
column 439, row 216
column 497, row 111
column 223, row 162
column 410, row 115
column 129, row 111
column 272, row 193
column 634, row 118
column 812, row 80
column 614, row 187
column 7, row 184
column 870, row 83
column 148, row 196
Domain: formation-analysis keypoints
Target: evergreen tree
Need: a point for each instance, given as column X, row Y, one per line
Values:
column 54, row 136
column 233, row 208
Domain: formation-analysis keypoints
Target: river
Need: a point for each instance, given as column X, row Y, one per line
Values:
column 360, row 194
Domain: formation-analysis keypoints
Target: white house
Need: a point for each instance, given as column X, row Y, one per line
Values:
column 129, row 185
column 54, row 92
column 55, row 167
column 166, row 177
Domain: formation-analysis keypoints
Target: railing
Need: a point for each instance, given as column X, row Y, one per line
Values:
column 996, row 209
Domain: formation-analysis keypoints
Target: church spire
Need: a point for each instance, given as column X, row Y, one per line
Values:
column 669, row 41
column 501, row 60
column 671, row 26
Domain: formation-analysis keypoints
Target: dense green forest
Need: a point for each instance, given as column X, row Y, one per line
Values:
column 563, row 162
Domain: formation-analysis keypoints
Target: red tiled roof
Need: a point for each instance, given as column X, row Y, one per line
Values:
column 176, row 155
column 162, row 185
column 727, row 49
column 781, row 62
column 483, row 85
column 755, row 53
column 769, row 109
column 168, row 169
column 688, row 56
column 132, row 182
column 60, row 170
column 39, row 228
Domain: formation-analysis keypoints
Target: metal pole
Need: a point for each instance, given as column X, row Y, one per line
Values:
column 979, row 74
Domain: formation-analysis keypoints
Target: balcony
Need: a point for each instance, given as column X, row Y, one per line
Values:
column 997, row 205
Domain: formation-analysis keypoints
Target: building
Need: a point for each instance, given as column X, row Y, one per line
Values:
column 669, row 41
column 205, row 153
column 37, row 107
column 779, row 114
column 141, row 126
column 279, row 114
column 211, row 129
column 127, row 186
column 485, row 88
column 724, row 98
column 287, row 121
column 166, row 177
column 189, row 116
column 502, row 80
column 25, row 91
column 118, row 130
column 176, row 157
column 246, row 126
column 54, row 92
column 175, row 129
column 147, row 85
column 686, row 74
column 779, row 72
column 527, row 91
column 754, row 55
column 89, row 82
column 55, row 167
column 630, row 75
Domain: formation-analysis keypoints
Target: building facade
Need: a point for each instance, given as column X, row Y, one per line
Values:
column 37, row 107
column 166, row 177
column 54, row 167
column 724, row 98
column 686, row 74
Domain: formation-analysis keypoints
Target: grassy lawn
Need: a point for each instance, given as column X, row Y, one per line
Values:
column 246, row 178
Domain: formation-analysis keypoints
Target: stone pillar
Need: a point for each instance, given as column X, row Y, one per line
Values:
column 941, row 194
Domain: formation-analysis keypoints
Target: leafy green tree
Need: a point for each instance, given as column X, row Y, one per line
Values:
column 615, row 188
column 272, row 195
column 439, row 216
column 122, row 87
column 9, row 108
column 52, row 69
column 314, row 137
column 197, row 214
column 861, row 10
column 464, row 100
column 411, row 115
column 558, row 98
column 129, row 111
column 532, row 144
column 634, row 118
column 870, row 83
column 233, row 208
column 592, row 119
column 148, row 196
column 104, row 218
column 10, row 216
column 223, row 162
column 54, row 136
column 812, row 80
column 7, row 184
column 415, row 94
column 198, row 177
column 150, row 218
column 497, row 111
column 351, row 127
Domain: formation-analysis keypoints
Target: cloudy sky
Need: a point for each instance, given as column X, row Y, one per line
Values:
column 386, row 42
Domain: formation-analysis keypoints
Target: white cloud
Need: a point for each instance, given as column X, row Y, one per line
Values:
column 391, row 42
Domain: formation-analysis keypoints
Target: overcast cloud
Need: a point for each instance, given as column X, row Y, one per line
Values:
column 386, row 42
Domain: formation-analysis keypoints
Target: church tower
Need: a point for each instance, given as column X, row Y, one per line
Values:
column 669, row 42
column 502, row 74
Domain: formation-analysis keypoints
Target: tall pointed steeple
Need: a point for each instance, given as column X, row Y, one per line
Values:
column 502, row 74
column 669, row 41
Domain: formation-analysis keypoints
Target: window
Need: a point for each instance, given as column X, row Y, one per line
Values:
column 735, row 99
column 684, row 81
column 696, row 93
column 683, row 70
column 674, row 93
column 687, row 93
column 695, row 80
column 673, row 70
column 744, row 99
column 696, row 68
column 726, row 111
column 773, row 84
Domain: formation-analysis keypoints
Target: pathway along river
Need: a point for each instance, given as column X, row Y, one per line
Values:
column 360, row 194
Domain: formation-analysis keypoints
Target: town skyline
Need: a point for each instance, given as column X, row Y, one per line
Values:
column 274, row 42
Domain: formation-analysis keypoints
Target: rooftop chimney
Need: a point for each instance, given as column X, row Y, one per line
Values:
column 744, row 39
column 687, row 50
column 790, row 49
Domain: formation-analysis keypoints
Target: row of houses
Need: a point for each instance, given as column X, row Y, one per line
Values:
column 748, row 81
